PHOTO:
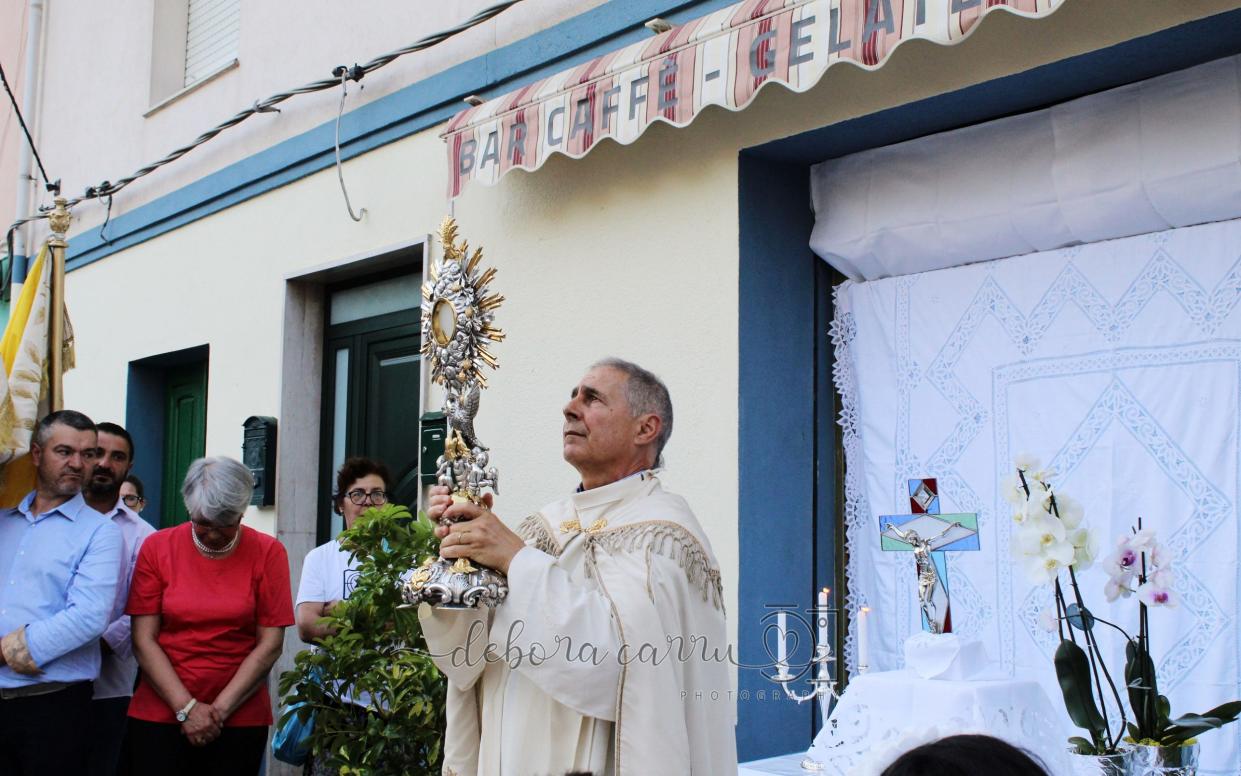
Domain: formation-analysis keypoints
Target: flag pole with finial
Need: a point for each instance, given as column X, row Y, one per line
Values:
column 59, row 221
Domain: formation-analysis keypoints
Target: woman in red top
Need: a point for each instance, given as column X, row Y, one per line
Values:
column 209, row 603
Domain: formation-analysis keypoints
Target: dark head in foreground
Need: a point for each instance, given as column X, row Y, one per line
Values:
column 966, row 756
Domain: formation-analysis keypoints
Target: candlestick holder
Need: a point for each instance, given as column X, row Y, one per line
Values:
column 823, row 663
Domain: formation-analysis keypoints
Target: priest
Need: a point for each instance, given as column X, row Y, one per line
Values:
column 610, row 654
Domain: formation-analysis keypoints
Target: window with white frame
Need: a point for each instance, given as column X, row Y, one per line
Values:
column 212, row 30
column 192, row 41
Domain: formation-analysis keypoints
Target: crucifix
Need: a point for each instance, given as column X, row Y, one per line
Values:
column 929, row 535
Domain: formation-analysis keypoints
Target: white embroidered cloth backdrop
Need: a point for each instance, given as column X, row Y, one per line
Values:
column 1119, row 364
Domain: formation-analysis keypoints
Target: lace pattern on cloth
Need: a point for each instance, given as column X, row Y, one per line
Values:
column 671, row 541
column 861, row 740
column 856, row 514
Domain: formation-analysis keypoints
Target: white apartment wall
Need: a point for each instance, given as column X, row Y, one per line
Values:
column 13, row 15
column 631, row 251
column 98, row 72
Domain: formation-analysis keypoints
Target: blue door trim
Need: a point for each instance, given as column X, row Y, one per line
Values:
column 776, row 443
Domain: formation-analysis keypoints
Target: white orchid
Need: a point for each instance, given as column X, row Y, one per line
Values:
column 1025, row 462
column 1043, row 544
column 1041, row 475
column 1012, row 491
column 1037, row 508
column 1039, row 532
column 1070, row 510
column 1046, row 566
column 1040, row 496
column 1085, row 548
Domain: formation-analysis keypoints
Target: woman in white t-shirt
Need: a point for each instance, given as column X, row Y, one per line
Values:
column 328, row 573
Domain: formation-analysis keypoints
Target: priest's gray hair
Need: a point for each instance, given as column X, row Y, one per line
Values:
column 647, row 395
column 217, row 489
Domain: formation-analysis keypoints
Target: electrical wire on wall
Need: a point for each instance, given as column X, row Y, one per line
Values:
column 341, row 75
column 53, row 188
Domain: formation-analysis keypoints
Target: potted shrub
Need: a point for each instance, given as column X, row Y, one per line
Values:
column 374, row 651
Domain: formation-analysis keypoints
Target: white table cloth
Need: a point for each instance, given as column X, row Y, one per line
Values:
column 784, row 765
column 883, row 714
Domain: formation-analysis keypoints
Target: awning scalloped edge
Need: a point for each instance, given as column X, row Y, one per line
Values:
column 723, row 59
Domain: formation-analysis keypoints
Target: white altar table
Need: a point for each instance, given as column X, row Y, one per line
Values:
column 883, row 714
column 784, row 765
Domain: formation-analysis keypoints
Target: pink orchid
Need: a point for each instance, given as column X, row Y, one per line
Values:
column 1124, row 563
column 1153, row 595
column 1117, row 587
column 1142, row 540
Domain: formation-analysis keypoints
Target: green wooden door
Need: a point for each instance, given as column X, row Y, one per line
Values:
column 371, row 388
column 391, row 410
column 185, row 434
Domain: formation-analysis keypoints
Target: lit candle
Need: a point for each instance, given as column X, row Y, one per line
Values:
column 824, row 652
column 824, row 644
column 782, row 658
column 863, row 640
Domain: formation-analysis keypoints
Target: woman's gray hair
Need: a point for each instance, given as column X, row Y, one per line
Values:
column 217, row 488
column 647, row 395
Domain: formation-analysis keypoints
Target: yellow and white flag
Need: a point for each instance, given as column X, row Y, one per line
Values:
column 24, row 382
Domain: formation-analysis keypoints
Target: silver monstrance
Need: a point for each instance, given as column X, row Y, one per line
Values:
column 457, row 313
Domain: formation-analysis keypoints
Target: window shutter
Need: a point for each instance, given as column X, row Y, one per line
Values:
column 212, row 32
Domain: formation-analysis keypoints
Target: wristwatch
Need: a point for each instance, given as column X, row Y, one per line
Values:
column 184, row 714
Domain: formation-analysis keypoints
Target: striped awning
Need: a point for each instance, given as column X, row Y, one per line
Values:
column 722, row 58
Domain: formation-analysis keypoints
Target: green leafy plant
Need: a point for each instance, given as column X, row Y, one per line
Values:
column 375, row 650
column 1153, row 724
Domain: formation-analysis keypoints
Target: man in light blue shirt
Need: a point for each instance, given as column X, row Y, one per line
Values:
column 59, row 564
column 119, row 669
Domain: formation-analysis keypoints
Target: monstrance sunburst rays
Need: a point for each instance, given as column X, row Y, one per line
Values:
column 457, row 313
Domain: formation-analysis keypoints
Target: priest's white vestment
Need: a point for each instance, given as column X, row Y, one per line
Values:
column 610, row 654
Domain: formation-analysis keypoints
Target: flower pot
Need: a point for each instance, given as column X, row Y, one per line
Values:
column 1099, row 764
column 1163, row 760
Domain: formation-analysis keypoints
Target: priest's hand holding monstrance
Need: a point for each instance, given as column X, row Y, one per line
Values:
column 457, row 315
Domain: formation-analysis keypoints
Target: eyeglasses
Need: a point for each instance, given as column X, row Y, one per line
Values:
column 209, row 525
column 132, row 500
column 377, row 498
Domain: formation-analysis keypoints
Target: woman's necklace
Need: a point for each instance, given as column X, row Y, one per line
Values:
column 210, row 553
